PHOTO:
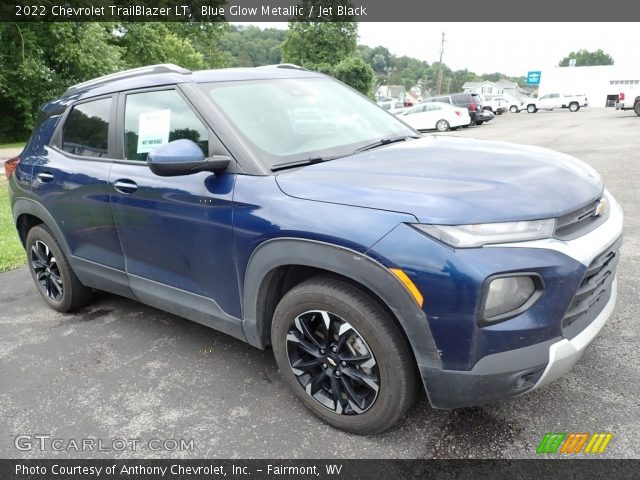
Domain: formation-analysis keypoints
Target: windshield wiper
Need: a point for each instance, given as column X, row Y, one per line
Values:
column 301, row 163
column 384, row 141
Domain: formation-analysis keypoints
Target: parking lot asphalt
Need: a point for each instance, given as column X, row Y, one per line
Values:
column 122, row 370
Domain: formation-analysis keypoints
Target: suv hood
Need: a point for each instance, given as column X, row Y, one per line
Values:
column 449, row 180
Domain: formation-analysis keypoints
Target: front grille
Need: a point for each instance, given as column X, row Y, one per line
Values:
column 593, row 293
column 581, row 221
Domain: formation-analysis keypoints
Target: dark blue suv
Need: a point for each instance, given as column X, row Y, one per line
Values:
column 283, row 208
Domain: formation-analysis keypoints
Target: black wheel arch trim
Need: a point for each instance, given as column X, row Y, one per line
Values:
column 89, row 273
column 271, row 254
column 28, row 206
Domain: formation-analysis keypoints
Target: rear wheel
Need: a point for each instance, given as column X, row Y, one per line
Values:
column 574, row 107
column 513, row 109
column 52, row 273
column 531, row 109
column 442, row 125
column 343, row 356
column 479, row 122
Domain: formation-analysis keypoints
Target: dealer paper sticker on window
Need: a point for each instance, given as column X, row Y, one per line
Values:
column 153, row 130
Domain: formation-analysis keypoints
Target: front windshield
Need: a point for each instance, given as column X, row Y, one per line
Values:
column 294, row 119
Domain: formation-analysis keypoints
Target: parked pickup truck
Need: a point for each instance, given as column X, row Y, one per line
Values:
column 629, row 99
column 551, row 101
column 497, row 105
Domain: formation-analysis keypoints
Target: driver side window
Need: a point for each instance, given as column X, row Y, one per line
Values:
column 153, row 119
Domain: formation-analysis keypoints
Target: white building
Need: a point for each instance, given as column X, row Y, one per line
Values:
column 492, row 88
column 510, row 91
column 601, row 84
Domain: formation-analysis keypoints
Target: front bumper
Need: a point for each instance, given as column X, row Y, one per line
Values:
column 564, row 354
column 514, row 372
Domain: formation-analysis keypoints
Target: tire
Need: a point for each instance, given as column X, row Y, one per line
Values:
column 574, row 107
column 52, row 274
column 442, row 125
column 513, row 109
column 636, row 108
column 385, row 361
column 479, row 122
column 531, row 109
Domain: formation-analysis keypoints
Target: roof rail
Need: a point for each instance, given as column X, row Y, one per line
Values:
column 134, row 72
column 291, row 66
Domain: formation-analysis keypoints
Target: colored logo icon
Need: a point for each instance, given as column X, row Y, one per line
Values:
column 575, row 442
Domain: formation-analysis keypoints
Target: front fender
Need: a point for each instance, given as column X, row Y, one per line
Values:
column 343, row 261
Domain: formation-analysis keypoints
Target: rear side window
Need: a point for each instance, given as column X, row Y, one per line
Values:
column 152, row 119
column 465, row 99
column 86, row 130
column 441, row 99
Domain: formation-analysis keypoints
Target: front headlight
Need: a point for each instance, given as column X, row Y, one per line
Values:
column 476, row 235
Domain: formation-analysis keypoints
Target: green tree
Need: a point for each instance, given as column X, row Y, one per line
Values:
column 204, row 37
column 356, row 73
column 492, row 77
column 585, row 58
column 378, row 63
column 328, row 46
column 151, row 43
column 312, row 43
column 329, row 40
column 39, row 61
column 245, row 46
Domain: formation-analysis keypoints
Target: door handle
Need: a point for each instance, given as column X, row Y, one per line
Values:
column 45, row 177
column 125, row 186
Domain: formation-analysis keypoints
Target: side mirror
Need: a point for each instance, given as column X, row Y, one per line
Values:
column 184, row 157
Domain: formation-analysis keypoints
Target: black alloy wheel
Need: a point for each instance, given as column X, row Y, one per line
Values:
column 46, row 269
column 343, row 355
column 332, row 362
column 52, row 273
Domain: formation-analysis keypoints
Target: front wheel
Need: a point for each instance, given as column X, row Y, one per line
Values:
column 479, row 122
column 513, row 109
column 442, row 125
column 532, row 109
column 52, row 274
column 343, row 356
column 636, row 108
column 574, row 107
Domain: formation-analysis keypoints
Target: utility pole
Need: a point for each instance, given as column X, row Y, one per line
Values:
column 440, row 72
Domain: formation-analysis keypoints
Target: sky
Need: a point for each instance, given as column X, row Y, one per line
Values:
column 510, row 48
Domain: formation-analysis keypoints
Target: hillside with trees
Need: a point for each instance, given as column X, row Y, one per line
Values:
column 39, row 61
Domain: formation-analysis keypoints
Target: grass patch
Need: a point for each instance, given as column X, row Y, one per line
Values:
column 12, row 145
column 11, row 252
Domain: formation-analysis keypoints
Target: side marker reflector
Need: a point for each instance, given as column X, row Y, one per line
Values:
column 409, row 285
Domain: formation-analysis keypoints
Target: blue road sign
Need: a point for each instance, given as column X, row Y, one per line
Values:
column 533, row 78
